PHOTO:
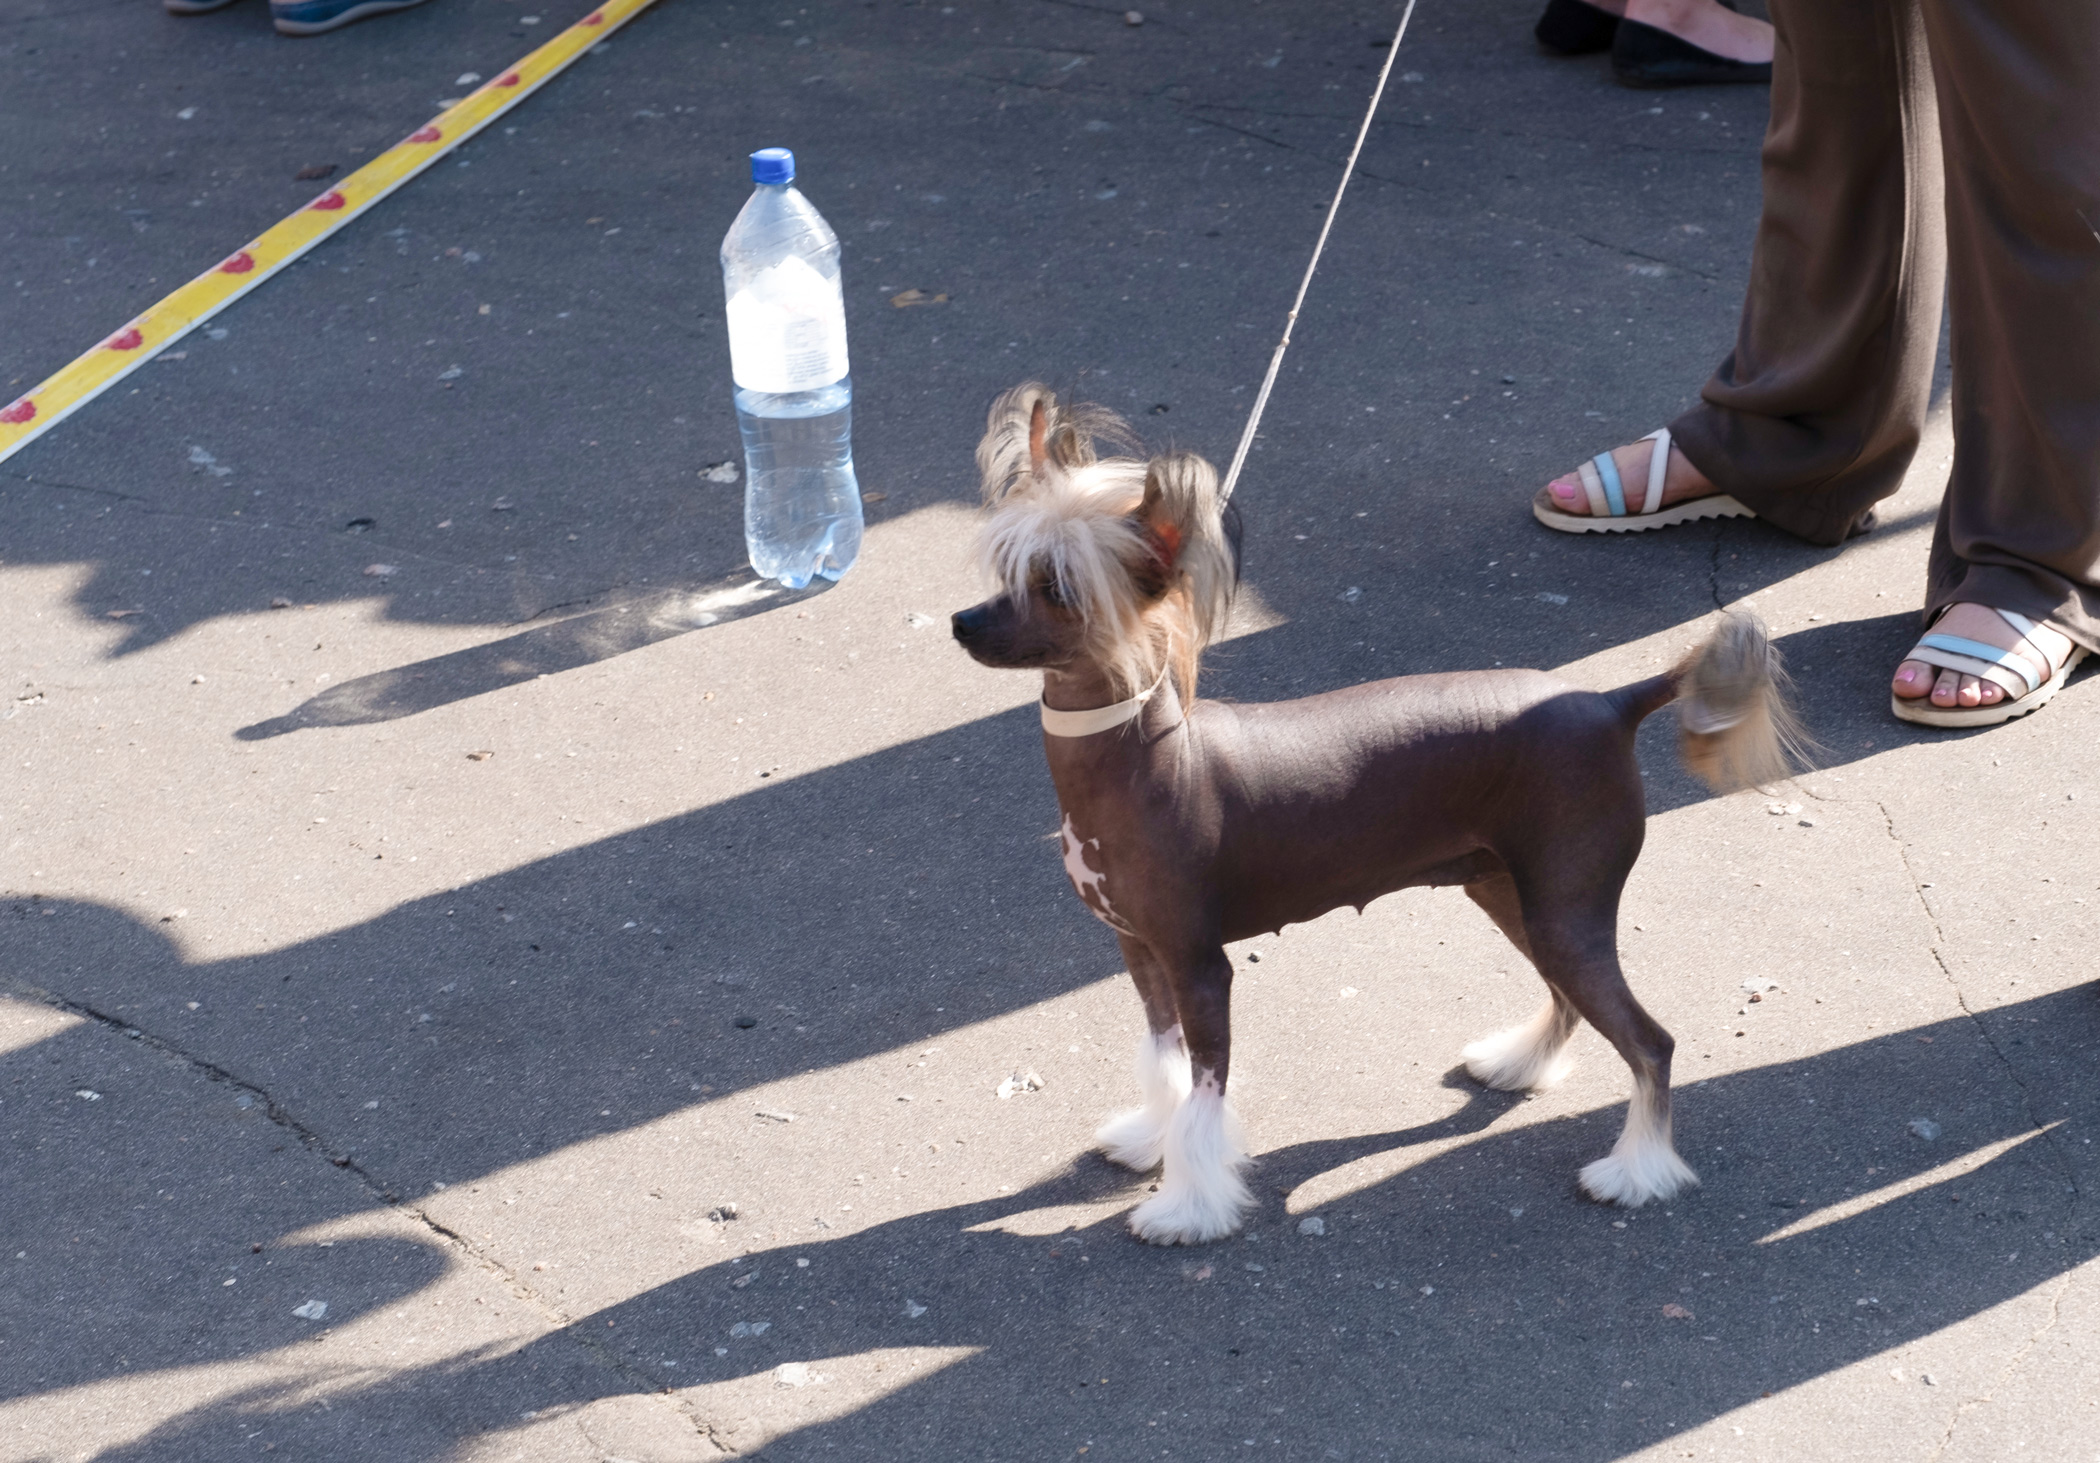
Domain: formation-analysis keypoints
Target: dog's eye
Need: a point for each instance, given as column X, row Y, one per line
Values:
column 1052, row 593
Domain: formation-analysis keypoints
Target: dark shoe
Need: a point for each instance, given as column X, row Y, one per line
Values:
column 195, row 7
column 1644, row 57
column 312, row 17
column 1573, row 28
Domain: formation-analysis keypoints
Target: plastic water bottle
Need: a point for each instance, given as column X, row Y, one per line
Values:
column 794, row 392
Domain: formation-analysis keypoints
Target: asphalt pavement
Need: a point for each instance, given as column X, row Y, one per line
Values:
column 481, row 978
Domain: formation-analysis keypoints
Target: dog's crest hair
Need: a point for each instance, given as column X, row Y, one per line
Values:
column 1138, row 550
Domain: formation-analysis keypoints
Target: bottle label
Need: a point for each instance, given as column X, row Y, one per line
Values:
column 787, row 330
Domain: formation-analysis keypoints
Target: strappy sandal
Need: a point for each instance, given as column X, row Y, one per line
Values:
column 1608, row 512
column 2010, row 670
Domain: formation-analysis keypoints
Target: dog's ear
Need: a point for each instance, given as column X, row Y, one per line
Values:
column 1029, row 430
column 1191, row 553
column 1062, row 434
column 1180, row 507
column 1014, row 437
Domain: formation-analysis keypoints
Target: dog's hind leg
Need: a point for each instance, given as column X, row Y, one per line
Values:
column 1530, row 1056
column 1581, row 965
column 1201, row 1194
column 1137, row 1138
column 1534, row 1054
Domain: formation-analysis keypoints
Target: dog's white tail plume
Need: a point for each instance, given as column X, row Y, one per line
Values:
column 1735, row 726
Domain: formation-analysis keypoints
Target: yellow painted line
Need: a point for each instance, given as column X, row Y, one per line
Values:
column 146, row 335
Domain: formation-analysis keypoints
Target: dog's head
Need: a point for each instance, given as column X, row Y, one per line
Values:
column 1127, row 563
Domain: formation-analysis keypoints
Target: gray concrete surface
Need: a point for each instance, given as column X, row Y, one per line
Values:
column 448, row 1043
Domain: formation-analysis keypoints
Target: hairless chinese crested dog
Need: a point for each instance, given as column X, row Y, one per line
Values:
column 1188, row 824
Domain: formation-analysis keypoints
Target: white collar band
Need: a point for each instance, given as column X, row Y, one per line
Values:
column 1100, row 718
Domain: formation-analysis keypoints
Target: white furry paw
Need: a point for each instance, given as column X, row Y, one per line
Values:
column 1192, row 1214
column 1201, row 1194
column 1528, row 1056
column 1511, row 1061
column 1136, row 1139
column 1632, row 1174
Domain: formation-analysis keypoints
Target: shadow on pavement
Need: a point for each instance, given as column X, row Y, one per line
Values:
column 545, row 650
column 1825, row 1233
column 836, row 911
column 923, row 898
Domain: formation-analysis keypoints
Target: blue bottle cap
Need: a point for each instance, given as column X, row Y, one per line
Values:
column 772, row 165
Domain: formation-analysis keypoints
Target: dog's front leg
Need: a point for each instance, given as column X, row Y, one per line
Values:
column 1201, row 1195
column 1137, row 1138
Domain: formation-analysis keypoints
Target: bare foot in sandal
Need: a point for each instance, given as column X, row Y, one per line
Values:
column 1680, row 480
column 1615, row 492
column 1960, row 636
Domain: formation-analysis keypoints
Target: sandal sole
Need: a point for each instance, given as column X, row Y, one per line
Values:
column 1922, row 712
column 1713, row 505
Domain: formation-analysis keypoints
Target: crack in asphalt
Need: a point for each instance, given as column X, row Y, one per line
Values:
column 67, row 13
column 1116, row 10
column 2047, row 1131
column 1605, row 244
column 1963, row 1408
column 1454, row 129
column 1525, row 220
column 1049, row 86
column 559, row 1324
column 1194, row 110
column 610, row 1455
column 301, row 531
column 1938, row 952
column 1939, row 958
column 258, row 525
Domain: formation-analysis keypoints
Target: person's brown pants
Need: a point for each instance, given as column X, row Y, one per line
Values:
column 1916, row 145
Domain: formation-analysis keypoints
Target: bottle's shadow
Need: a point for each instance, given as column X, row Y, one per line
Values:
column 545, row 650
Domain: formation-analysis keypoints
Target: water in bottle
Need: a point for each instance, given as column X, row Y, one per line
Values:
column 794, row 393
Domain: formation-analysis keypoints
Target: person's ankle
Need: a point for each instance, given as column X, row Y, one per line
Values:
column 1670, row 15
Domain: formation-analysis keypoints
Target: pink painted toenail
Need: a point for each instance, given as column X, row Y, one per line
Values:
column 1564, row 490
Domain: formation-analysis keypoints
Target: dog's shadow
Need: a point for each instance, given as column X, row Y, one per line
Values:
column 1469, row 1300
column 1089, row 1178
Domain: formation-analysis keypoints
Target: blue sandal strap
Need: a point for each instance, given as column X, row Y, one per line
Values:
column 1988, row 656
column 1614, row 491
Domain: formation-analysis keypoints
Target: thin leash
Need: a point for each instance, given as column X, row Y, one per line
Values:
column 1239, row 456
